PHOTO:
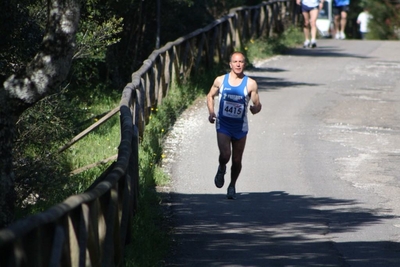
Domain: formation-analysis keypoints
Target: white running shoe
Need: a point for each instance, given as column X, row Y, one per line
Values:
column 342, row 36
column 337, row 36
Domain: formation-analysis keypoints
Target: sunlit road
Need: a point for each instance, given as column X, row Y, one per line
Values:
column 320, row 184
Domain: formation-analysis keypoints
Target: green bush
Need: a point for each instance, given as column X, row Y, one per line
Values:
column 266, row 47
column 385, row 22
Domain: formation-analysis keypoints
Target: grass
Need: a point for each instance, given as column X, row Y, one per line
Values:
column 42, row 173
column 267, row 47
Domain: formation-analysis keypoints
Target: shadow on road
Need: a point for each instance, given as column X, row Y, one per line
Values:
column 324, row 51
column 272, row 229
column 265, row 69
column 269, row 83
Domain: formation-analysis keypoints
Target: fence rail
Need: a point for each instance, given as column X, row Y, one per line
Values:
column 92, row 228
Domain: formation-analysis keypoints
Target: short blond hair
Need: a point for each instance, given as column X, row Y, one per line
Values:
column 237, row 52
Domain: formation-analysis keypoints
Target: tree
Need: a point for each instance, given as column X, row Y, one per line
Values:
column 385, row 23
column 41, row 77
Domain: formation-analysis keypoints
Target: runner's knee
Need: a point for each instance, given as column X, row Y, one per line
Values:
column 224, row 157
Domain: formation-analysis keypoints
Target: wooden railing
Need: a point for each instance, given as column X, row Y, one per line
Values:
column 88, row 229
column 92, row 228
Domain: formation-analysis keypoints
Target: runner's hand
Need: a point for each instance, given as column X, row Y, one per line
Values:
column 212, row 117
column 255, row 109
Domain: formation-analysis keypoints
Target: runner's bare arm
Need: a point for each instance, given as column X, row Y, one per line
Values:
column 253, row 91
column 210, row 98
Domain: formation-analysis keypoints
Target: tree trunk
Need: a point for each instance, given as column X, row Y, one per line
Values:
column 42, row 77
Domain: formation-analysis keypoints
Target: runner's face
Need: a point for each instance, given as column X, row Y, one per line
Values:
column 237, row 63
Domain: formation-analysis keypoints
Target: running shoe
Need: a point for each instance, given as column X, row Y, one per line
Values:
column 231, row 193
column 342, row 36
column 306, row 44
column 219, row 178
column 313, row 45
column 337, row 36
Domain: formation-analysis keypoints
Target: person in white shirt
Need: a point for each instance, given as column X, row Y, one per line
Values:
column 363, row 20
column 310, row 10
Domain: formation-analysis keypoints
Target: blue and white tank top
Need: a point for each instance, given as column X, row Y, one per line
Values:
column 233, row 101
column 341, row 2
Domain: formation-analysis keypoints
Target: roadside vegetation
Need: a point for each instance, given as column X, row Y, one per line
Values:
column 266, row 47
column 151, row 226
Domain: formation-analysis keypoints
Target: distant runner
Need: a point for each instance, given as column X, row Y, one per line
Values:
column 340, row 10
column 310, row 10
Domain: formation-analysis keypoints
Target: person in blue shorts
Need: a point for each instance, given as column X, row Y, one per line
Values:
column 310, row 10
column 234, row 91
column 340, row 8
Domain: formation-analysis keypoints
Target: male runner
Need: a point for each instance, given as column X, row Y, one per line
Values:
column 234, row 89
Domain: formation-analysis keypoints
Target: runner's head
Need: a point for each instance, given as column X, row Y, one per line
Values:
column 237, row 62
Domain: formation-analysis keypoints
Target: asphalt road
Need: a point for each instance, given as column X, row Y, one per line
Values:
column 320, row 184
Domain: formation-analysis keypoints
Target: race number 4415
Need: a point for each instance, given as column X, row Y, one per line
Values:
column 232, row 109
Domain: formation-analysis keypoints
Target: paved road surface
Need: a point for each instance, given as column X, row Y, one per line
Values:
column 320, row 184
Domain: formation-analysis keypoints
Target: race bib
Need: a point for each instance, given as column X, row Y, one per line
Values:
column 233, row 110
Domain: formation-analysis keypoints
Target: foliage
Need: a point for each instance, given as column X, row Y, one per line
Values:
column 121, row 47
column 219, row 8
column 291, row 37
column 42, row 174
column 21, row 35
column 42, row 77
column 141, row 22
column 266, row 47
column 93, row 38
column 39, row 172
column 385, row 24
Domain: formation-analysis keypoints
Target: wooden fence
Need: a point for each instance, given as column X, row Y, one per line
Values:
column 92, row 228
